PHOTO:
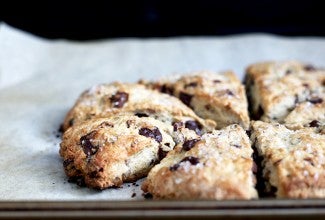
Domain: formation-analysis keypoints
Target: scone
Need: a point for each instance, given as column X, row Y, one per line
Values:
column 307, row 115
column 293, row 161
column 217, row 96
column 217, row 166
column 109, row 99
column 106, row 152
column 275, row 89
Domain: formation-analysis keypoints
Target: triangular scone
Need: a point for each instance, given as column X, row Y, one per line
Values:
column 217, row 96
column 275, row 89
column 106, row 152
column 108, row 99
column 293, row 161
column 216, row 166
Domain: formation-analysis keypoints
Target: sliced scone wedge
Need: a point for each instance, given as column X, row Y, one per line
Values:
column 293, row 161
column 106, row 100
column 215, row 166
column 275, row 89
column 217, row 96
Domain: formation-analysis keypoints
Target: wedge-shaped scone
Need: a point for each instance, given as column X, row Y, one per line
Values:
column 293, row 161
column 216, row 166
column 217, row 96
column 275, row 89
column 106, row 152
column 109, row 99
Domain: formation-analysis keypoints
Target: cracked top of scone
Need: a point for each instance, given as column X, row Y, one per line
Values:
column 106, row 152
column 294, row 161
column 277, row 88
column 109, row 99
column 217, row 96
column 217, row 165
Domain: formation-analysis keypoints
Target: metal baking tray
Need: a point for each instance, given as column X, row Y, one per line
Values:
column 254, row 209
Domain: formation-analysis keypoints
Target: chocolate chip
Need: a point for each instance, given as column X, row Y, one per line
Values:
column 147, row 195
column 217, row 81
column 236, row 146
column 192, row 84
column 310, row 161
column 71, row 121
column 165, row 89
column 185, row 98
column 140, row 115
column 161, row 154
column 192, row 160
column 133, row 195
column 155, row 133
column 195, row 126
column 207, row 107
column 177, row 125
column 305, row 85
column 79, row 180
column 314, row 123
column 119, row 99
column 288, row 72
column 174, row 167
column 88, row 148
column 189, row 144
column 315, row 100
column 309, row 68
column 229, row 92
column 67, row 162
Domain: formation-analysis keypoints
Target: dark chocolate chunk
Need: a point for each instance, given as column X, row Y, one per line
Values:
column 133, row 195
column 88, row 148
column 119, row 99
column 174, row 167
column 229, row 92
column 217, row 81
column 309, row 68
column 305, row 85
column 236, row 146
column 314, row 123
column 140, row 115
column 71, row 121
column 161, row 154
column 315, row 100
column 288, row 72
column 185, row 98
column 189, row 144
column 155, row 133
column 192, row 84
column 310, row 161
column 195, row 126
column 79, row 180
column 165, row 89
column 147, row 195
column 192, row 160
column 67, row 162
column 177, row 125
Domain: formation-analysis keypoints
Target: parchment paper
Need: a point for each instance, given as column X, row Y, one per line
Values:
column 41, row 79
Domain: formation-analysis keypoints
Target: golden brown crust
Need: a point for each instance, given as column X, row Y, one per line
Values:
column 217, row 96
column 218, row 166
column 108, row 99
column 277, row 88
column 294, row 161
column 109, row 151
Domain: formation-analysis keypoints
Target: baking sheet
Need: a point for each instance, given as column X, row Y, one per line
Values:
column 41, row 79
